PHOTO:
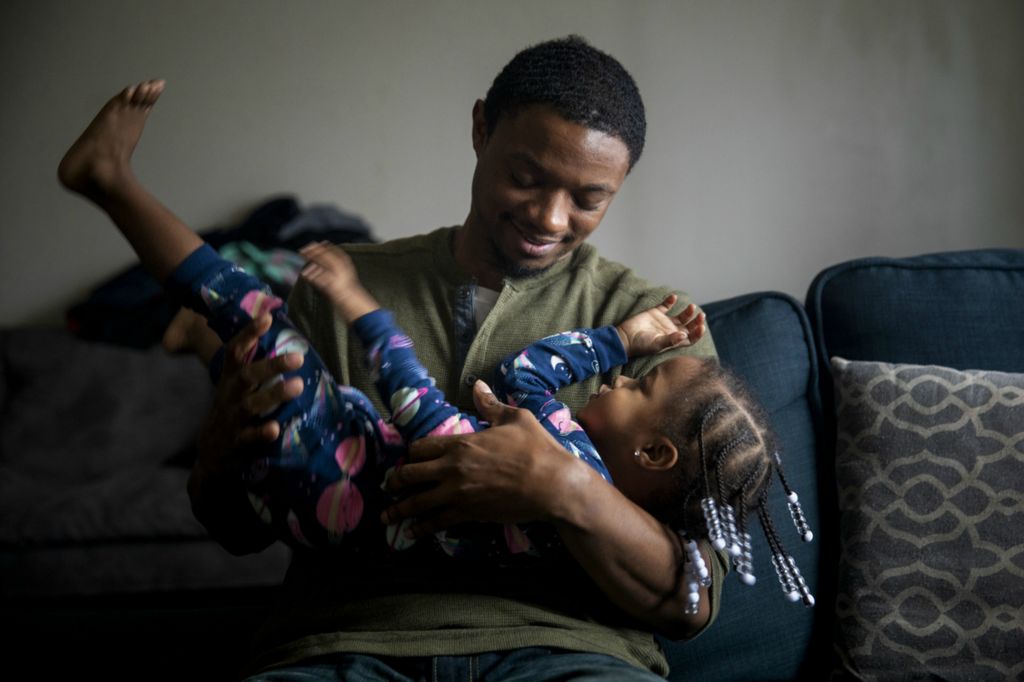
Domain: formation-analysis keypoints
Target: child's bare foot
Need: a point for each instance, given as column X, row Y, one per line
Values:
column 189, row 333
column 100, row 159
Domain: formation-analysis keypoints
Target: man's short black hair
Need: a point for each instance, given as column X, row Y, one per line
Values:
column 583, row 84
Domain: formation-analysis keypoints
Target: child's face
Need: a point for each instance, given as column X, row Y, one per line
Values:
column 622, row 418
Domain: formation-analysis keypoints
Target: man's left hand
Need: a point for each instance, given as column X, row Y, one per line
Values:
column 511, row 472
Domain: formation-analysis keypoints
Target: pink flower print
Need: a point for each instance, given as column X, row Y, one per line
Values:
column 288, row 341
column 399, row 341
column 351, row 455
column 291, row 440
column 452, row 545
column 405, row 403
column 339, row 509
column 562, row 421
column 452, row 426
column 324, row 400
column 373, row 362
column 257, row 303
column 296, row 529
column 388, row 433
column 522, row 362
column 349, row 393
column 210, row 297
column 516, row 539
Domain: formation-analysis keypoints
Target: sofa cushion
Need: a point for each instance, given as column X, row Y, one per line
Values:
column 78, row 411
column 958, row 309
column 929, row 464
column 759, row 635
column 96, row 442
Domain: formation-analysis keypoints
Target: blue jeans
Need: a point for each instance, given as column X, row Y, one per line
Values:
column 531, row 664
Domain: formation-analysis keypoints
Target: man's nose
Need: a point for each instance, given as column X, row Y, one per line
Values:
column 620, row 381
column 552, row 212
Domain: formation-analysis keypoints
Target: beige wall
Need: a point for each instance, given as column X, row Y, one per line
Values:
column 783, row 135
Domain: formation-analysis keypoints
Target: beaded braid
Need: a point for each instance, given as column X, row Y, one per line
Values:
column 734, row 445
column 793, row 502
column 728, row 514
column 744, row 561
column 712, row 519
column 793, row 584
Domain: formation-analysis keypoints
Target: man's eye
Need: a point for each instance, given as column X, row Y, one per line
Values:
column 522, row 180
column 587, row 203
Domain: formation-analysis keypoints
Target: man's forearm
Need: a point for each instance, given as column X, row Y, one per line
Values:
column 515, row 472
column 634, row 559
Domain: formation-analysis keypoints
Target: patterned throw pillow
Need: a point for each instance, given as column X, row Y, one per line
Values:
column 930, row 469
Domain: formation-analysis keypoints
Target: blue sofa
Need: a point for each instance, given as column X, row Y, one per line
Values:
column 963, row 310
column 144, row 584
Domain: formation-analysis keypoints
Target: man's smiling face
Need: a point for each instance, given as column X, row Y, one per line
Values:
column 541, row 186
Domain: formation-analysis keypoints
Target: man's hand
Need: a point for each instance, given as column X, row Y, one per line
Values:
column 512, row 472
column 515, row 472
column 654, row 331
column 245, row 393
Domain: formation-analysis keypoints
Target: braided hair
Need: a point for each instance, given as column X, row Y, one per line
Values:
column 726, row 432
column 581, row 83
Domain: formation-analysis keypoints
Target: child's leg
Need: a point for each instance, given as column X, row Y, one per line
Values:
column 98, row 167
column 312, row 484
column 189, row 333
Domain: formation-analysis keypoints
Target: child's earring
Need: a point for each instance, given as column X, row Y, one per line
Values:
column 636, row 455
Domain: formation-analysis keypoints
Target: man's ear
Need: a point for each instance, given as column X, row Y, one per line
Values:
column 659, row 455
column 479, row 126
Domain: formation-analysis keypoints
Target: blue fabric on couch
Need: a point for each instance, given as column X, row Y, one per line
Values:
column 959, row 309
column 759, row 635
column 956, row 309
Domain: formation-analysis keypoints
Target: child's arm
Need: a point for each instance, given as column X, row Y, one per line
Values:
column 417, row 407
column 556, row 361
column 654, row 331
column 530, row 378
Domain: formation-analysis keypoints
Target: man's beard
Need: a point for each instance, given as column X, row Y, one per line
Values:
column 515, row 270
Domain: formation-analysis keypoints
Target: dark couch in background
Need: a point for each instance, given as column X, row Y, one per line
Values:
column 962, row 310
column 120, row 576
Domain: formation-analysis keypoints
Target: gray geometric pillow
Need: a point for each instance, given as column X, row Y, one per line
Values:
column 930, row 468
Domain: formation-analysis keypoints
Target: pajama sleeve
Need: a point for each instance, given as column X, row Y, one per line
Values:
column 418, row 407
column 530, row 379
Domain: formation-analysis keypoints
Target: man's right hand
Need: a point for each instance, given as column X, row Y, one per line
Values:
column 246, row 393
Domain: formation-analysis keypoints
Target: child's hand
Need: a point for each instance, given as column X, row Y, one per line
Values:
column 654, row 331
column 331, row 271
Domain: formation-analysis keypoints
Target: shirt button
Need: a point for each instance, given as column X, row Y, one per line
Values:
column 470, row 379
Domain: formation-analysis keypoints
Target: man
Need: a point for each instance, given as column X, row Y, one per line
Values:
column 559, row 130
